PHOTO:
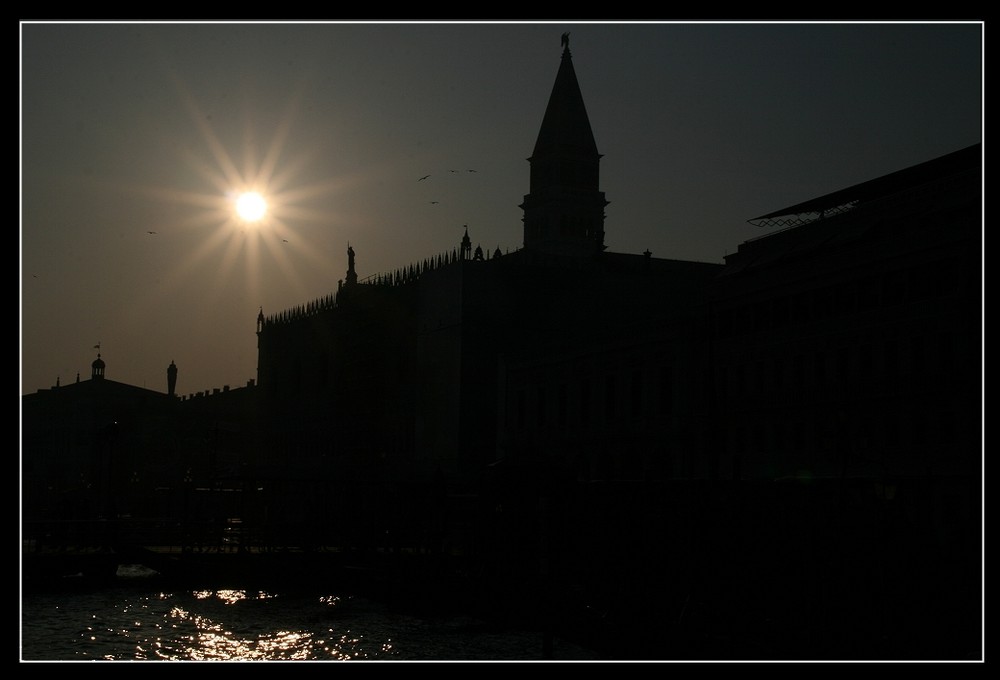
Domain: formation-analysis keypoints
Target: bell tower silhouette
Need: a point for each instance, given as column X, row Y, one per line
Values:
column 564, row 211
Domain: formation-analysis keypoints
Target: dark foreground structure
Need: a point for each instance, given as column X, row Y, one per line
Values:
column 775, row 458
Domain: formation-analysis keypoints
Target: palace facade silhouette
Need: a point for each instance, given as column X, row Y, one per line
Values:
column 810, row 405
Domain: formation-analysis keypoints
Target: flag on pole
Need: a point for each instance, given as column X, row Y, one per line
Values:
column 97, row 346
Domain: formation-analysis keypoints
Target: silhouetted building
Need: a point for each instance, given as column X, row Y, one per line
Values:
column 845, row 345
column 95, row 448
column 102, row 449
column 618, row 366
column 850, row 343
column 424, row 369
column 664, row 435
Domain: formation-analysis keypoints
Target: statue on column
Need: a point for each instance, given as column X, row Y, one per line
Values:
column 352, row 276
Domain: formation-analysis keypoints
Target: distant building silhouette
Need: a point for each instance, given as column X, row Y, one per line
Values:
column 95, row 448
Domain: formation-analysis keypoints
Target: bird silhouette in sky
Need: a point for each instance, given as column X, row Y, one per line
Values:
column 453, row 171
column 433, row 202
column 284, row 240
column 472, row 171
column 423, row 178
column 150, row 232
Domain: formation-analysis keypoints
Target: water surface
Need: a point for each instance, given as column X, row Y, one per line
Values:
column 144, row 624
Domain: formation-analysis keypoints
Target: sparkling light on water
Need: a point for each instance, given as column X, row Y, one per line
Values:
column 241, row 625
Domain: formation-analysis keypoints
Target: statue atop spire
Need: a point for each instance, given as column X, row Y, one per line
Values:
column 565, row 40
column 352, row 276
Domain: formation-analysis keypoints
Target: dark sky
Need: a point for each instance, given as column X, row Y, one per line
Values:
column 134, row 128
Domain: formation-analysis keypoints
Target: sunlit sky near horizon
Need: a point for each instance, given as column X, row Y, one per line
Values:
column 136, row 140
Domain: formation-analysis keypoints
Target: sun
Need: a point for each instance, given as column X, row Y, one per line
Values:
column 248, row 216
column 251, row 206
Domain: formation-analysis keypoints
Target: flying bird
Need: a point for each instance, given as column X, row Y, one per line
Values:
column 423, row 178
column 284, row 240
column 472, row 171
column 433, row 202
column 150, row 232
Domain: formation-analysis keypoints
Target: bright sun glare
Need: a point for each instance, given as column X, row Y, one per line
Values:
column 247, row 216
column 251, row 206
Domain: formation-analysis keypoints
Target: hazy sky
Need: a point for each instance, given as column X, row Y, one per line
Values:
column 128, row 129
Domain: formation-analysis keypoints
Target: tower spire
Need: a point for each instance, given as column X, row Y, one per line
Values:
column 564, row 211
column 466, row 250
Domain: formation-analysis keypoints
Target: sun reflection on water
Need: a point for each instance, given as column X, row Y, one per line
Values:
column 211, row 640
column 249, row 625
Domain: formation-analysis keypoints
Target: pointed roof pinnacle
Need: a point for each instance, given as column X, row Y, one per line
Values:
column 565, row 126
